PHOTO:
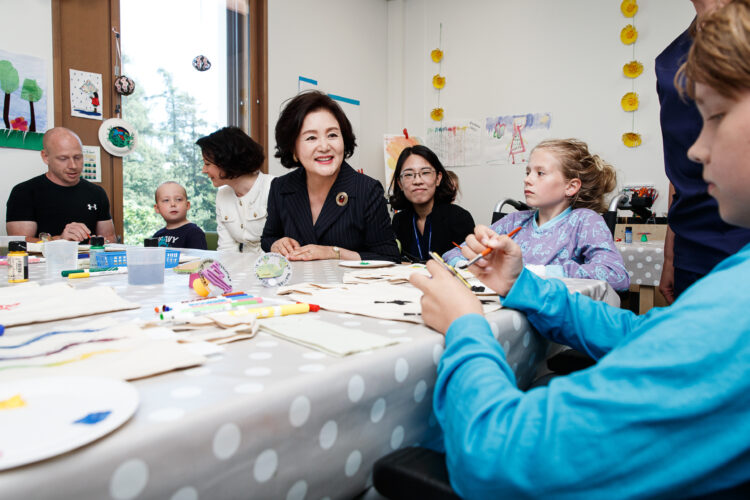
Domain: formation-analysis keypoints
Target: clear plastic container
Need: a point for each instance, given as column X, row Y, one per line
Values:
column 145, row 265
column 61, row 255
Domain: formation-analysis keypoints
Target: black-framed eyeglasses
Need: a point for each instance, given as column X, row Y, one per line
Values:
column 426, row 174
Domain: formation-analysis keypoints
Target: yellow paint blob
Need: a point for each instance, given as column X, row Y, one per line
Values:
column 12, row 403
column 436, row 55
column 437, row 114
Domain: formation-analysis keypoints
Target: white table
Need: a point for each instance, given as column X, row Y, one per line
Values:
column 267, row 418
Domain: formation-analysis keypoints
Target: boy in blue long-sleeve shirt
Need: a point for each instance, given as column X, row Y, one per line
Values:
column 665, row 411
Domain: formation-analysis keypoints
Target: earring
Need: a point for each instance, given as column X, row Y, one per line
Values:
column 294, row 157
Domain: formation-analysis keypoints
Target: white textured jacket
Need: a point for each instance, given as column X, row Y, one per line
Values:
column 240, row 220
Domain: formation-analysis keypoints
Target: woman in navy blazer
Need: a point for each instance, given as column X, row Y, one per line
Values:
column 324, row 210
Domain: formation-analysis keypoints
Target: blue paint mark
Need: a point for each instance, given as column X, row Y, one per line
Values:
column 48, row 334
column 93, row 418
column 344, row 99
column 86, row 112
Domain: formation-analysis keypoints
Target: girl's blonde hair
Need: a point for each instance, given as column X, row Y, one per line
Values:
column 720, row 55
column 598, row 178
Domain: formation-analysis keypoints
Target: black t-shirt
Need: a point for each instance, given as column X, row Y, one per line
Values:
column 52, row 206
column 186, row 236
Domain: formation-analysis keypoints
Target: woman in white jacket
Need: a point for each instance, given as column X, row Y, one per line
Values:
column 232, row 160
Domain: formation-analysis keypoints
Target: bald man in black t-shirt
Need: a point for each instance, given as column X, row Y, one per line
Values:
column 59, row 202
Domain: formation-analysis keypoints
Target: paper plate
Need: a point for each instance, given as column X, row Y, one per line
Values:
column 117, row 137
column 44, row 417
column 366, row 263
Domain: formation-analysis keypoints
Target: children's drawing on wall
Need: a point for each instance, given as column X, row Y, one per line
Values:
column 392, row 147
column 86, row 94
column 509, row 139
column 23, row 88
column 91, row 163
column 457, row 143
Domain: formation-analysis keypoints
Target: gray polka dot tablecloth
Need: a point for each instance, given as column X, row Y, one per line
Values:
column 643, row 260
column 267, row 418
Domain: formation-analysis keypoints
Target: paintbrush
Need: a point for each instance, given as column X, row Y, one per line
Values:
column 486, row 251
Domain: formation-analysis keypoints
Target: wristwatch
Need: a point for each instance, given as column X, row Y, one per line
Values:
column 337, row 251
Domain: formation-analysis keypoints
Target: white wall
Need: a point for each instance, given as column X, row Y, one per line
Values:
column 341, row 44
column 505, row 57
column 25, row 28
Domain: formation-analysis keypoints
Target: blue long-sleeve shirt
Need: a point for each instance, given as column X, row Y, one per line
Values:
column 665, row 412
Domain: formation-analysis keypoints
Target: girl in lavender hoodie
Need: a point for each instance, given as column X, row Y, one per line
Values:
column 564, row 236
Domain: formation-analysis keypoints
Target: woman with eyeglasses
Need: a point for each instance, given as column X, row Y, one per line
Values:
column 422, row 192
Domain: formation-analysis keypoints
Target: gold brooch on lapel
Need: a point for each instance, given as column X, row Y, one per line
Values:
column 342, row 199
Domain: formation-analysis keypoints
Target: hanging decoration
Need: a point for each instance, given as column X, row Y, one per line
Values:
column 628, row 34
column 630, row 101
column 124, row 85
column 117, row 137
column 201, row 63
column 629, row 8
column 438, row 80
column 632, row 70
column 631, row 139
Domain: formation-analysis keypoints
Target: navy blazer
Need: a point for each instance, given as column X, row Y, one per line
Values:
column 361, row 225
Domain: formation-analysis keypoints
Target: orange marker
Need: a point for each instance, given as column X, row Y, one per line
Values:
column 487, row 250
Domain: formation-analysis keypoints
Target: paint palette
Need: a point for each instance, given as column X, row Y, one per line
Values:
column 44, row 417
column 366, row 263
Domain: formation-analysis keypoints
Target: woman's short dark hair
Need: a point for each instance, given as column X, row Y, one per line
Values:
column 232, row 150
column 444, row 193
column 290, row 123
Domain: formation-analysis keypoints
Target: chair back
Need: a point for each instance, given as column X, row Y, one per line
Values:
column 498, row 213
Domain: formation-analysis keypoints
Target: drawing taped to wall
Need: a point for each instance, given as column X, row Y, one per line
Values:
column 86, row 97
column 23, row 100
column 456, row 143
column 393, row 145
column 509, row 139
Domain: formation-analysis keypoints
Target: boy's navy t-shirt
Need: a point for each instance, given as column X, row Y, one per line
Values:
column 186, row 236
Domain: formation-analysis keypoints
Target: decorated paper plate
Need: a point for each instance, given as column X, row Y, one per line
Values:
column 117, row 137
column 45, row 417
column 366, row 263
column 272, row 269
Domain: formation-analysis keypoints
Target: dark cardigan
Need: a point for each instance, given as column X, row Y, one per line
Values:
column 449, row 223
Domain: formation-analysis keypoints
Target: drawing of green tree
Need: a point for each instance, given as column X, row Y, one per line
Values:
column 32, row 92
column 8, row 84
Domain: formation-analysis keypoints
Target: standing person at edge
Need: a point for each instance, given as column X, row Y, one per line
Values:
column 697, row 239
column 59, row 202
column 323, row 209
column 665, row 412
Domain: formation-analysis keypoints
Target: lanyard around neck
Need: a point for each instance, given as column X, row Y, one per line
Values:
column 428, row 228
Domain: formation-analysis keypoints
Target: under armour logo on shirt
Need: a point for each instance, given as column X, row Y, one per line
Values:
column 91, row 207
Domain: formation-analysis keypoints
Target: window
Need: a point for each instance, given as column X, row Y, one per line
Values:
column 175, row 103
